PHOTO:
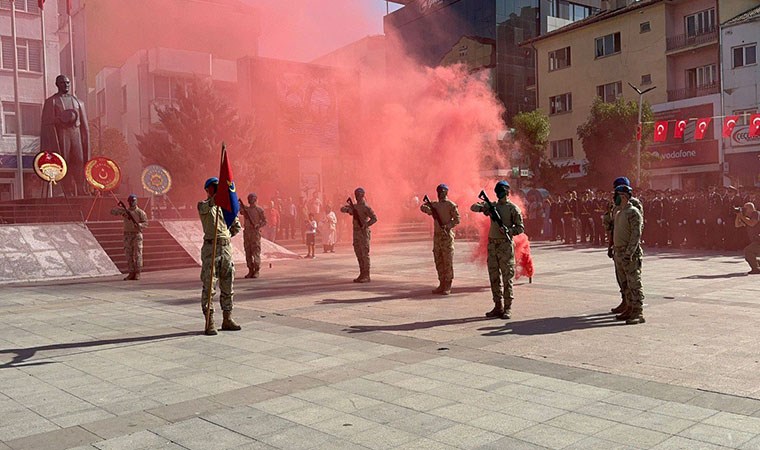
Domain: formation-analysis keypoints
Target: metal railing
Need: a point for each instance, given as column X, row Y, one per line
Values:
column 691, row 92
column 685, row 40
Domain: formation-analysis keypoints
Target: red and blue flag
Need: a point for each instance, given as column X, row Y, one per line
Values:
column 226, row 196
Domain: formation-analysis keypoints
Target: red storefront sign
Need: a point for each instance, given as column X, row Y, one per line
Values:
column 685, row 154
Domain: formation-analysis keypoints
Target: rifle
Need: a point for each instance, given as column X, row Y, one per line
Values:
column 355, row 212
column 493, row 213
column 121, row 203
column 437, row 217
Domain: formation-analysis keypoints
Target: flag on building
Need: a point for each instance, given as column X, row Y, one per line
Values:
column 702, row 124
column 661, row 131
column 754, row 125
column 728, row 125
column 680, row 127
column 226, row 196
column 41, row 3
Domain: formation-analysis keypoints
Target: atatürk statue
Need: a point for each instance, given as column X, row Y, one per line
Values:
column 65, row 131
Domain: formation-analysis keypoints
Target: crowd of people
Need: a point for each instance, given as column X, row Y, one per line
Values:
column 702, row 219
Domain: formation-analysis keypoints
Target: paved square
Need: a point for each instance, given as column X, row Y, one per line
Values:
column 325, row 363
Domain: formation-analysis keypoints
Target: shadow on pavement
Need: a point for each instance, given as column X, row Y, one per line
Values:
column 413, row 325
column 551, row 325
column 24, row 354
column 713, row 277
column 407, row 295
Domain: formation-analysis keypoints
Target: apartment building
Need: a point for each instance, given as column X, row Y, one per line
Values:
column 672, row 45
column 31, row 92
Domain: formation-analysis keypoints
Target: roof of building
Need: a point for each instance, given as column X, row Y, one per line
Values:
column 747, row 16
column 598, row 17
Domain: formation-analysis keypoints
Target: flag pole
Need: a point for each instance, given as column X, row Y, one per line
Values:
column 19, row 153
column 71, row 48
column 213, row 251
column 44, row 51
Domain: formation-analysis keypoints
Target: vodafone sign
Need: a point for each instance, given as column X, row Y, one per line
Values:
column 740, row 137
column 685, row 154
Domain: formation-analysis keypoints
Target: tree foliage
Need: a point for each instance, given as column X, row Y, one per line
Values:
column 187, row 141
column 108, row 142
column 609, row 139
column 532, row 132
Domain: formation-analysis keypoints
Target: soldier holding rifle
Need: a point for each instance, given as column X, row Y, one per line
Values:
column 506, row 222
column 446, row 216
column 363, row 218
column 135, row 220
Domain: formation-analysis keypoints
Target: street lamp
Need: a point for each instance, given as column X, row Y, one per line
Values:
column 640, row 131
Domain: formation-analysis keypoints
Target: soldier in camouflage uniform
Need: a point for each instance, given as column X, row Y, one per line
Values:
column 224, row 268
column 443, row 237
column 501, row 250
column 626, row 239
column 133, row 238
column 609, row 225
column 255, row 220
column 363, row 218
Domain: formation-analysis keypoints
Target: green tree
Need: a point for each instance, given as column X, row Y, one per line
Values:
column 108, row 142
column 187, row 141
column 532, row 133
column 609, row 139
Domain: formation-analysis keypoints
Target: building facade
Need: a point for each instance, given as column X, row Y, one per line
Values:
column 741, row 96
column 31, row 91
column 432, row 31
column 671, row 45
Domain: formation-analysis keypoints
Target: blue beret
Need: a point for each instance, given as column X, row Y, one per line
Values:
column 359, row 190
column 621, row 181
column 624, row 189
column 132, row 196
column 442, row 187
column 210, row 181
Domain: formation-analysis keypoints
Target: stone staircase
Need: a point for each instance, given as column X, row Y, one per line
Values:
column 381, row 234
column 160, row 250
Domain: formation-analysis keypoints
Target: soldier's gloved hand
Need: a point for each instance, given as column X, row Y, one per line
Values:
column 610, row 253
column 486, row 212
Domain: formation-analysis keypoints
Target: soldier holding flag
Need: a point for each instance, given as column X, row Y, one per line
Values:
column 216, row 253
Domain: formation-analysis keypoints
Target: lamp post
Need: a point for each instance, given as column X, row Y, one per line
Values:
column 639, row 133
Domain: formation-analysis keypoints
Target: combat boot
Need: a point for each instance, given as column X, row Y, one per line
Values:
column 136, row 276
column 507, row 313
column 626, row 314
column 636, row 317
column 497, row 311
column 439, row 289
column 211, row 328
column 256, row 269
column 446, row 287
column 228, row 323
column 250, row 273
column 131, row 276
column 619, row 308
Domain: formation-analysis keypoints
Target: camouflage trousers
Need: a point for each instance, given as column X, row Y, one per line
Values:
column 628, row 274
column 361, row 249
column 252, row 244
column 501, row 269
column 224, row 274
column 752, row 255
column 443, row 255
column 133, row 248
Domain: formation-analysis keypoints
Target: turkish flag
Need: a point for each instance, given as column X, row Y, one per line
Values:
column 661, row 131
column 40, row 3
column 701, row 129
column 728, row 125
column 754, row 125
column 680, row 127
column 69, row 7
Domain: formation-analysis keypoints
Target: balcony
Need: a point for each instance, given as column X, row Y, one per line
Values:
column 681, row 41
column 691, row 92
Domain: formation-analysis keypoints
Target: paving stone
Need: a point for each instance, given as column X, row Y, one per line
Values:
column 716, row 435
column 421, row 402
column 502, row 424
column 580, row 423
column 296, row 437
column 594, row 443
column 459, row 412
column 344, row 425
column 511, row 444
column 422, row 424
column 127, row 424
column 682, row 443
column 52, row 440
column 135, row 441
column 425, row 444
column 630, row 435
column 548, row 436
column 310, row 414
column 728, row 403
column 465, row 436
column 683, row 411
column 383, row 437
column 200, row 434
column 659, row 422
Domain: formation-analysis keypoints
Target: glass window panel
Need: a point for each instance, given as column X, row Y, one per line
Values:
column 750, row 55
column 738, row 57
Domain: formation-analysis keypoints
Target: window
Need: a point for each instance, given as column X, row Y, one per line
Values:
column 564, row 9
column 561, row 103
column 101, row 99
column 610, row 92
column 29, row 6
column 744, row 115
column 123, row 99
column 608, row 45
column 646, row 79
column 645, row 27
column 562, row 148
column 29, row 54
column 702, row 76
column 745, row 55
column 166, row 88
column 700, row 23
column 559, row 59
column 30, row 119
